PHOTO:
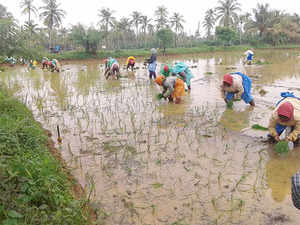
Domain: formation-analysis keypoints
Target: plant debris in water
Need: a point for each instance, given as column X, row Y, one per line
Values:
column 259, row 127
column 282, row 147
column 208, row 73
column 157, row 185
column 230, row 104
column 159, row 96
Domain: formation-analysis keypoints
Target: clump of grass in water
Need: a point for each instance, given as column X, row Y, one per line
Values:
column 259, row 127
column 208, row 73
column 159, row 96
column 230, row 104
column 282, row 147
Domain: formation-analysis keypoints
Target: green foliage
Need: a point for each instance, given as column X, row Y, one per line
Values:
column 159, row 96
column 33, row 188
column 88, row 38
column 229, row 104
column 259, row 127
column 282, row 147
column 226, row 35
column 157, row 185
column 165, row 37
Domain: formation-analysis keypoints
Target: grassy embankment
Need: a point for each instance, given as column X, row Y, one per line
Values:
column 34, row 187
column 74, row 55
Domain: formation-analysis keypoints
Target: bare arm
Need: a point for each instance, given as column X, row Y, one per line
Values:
column 294, row 135
column 272, row 127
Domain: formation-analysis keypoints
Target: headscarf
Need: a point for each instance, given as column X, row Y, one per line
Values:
column 153, row 51
column 286, row 109
column 166, row 68
column 228, row 79
column 159, row 80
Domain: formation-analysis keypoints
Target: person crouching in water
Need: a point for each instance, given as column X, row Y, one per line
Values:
column 113, row 68
column 173, row 88
column 152, row 63
column 249, row 57
column 237, row 86
column 130, row 62
column 183, row 72
column 45, row 62
column 54, row 65
column 286, row 116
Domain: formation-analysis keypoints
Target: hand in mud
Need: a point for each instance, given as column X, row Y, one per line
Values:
column 276, row 137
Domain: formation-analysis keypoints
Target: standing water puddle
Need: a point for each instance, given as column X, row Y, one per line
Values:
column 150, row 162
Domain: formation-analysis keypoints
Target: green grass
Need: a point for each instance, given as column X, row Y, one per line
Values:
column 144, row 52
column 33, row 188
column 230, row 104
column 258, row 127
column 282, row 147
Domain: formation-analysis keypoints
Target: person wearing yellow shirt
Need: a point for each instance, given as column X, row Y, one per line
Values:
column 130, row 62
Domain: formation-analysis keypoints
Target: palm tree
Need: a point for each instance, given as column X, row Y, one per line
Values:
column 52, row 16
column 145, row 22
column 176, row 22
column 161, row 15
column 31, row 27
column 296, row 18
column 28, row 8
column 136, row 20
column 262, row 18
column 125, row 24
column 106, row 18
column 226, row 12
column 209, row 21
column 197, row 33
column 150, row 29
column 63, row 32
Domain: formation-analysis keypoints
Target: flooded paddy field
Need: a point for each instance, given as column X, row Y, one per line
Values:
column 144, row 161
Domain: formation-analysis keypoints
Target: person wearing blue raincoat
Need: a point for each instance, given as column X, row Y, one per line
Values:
column 183, row 72
column 237, row 86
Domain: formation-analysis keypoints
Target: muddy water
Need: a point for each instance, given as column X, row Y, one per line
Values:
column 150, row 162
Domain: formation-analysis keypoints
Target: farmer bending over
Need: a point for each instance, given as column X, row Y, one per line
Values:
column 237, row 86
column 286, row 115
column 173, row 88
column 130, row 62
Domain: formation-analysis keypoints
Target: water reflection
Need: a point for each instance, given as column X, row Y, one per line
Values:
column 279, row 170
column 235, row 120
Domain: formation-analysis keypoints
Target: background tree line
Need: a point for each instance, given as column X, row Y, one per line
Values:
column 223, row 25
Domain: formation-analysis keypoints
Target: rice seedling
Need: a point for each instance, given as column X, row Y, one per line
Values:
column 282, row 147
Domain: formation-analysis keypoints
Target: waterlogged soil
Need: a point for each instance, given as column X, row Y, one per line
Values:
column 144, row 161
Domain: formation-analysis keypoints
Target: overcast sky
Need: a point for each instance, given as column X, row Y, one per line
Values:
column 86, row 11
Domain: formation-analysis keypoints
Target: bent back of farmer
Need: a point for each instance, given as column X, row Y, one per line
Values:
column 173, row 88
column 45, row 62
column 249, row 56
column 286, row 114
column 54, row 65
column 130, row 62
column 183, row 72
column 113, row 68
column 237, row 86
